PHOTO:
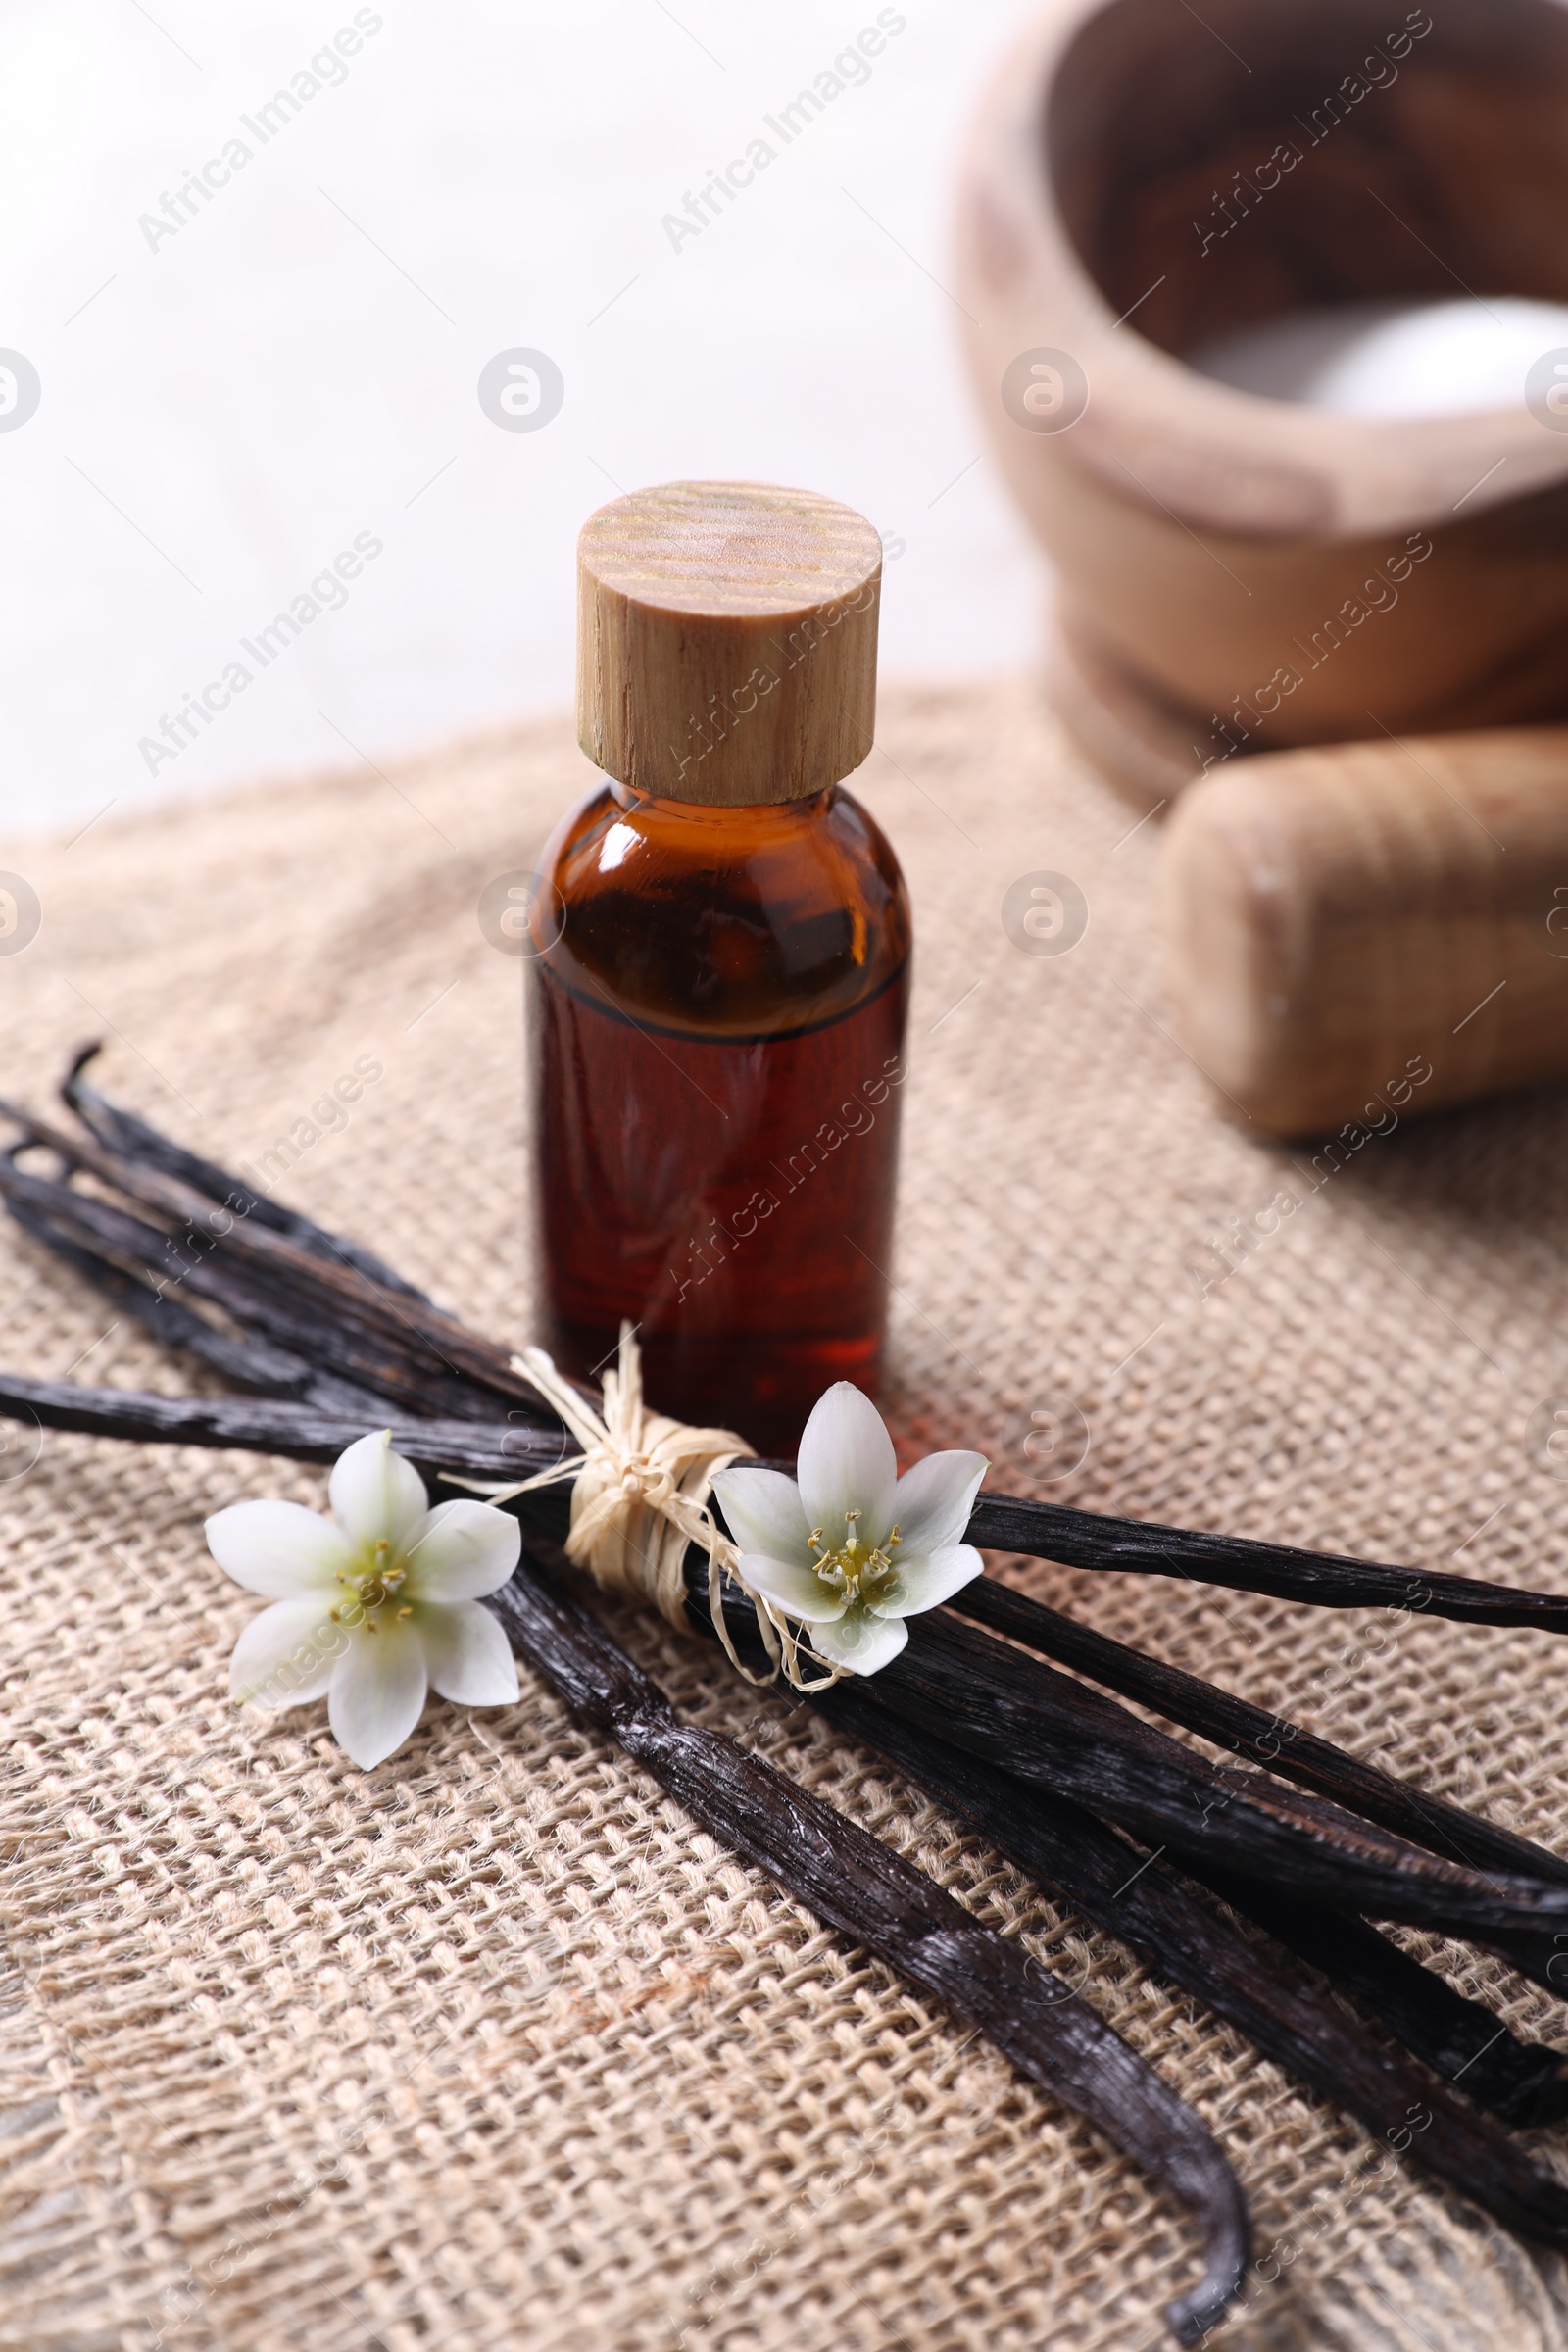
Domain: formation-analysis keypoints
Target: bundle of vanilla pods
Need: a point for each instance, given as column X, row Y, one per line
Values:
column 1115, row 1817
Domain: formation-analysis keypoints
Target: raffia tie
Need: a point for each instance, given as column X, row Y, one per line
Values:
column 640, row 1498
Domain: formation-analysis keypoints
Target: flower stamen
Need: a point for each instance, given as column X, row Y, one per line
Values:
column 852, row 1570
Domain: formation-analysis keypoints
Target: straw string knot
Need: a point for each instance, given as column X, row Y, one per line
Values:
column 640, row 1495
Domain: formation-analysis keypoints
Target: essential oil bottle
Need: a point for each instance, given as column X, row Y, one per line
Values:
column 719, row 980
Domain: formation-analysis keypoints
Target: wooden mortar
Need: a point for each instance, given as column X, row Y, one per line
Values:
column 1229, row 565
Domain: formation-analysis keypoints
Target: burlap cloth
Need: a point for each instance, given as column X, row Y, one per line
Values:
column 491, row 2047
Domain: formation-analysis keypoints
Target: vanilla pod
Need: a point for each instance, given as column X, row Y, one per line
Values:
column 1272, row 1741
column 1145, row 1908
column 300, row 1289
column 854, row 1883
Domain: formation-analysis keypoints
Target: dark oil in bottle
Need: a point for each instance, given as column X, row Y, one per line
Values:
column 716, row 1027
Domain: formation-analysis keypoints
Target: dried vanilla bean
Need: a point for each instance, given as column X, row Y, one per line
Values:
column 354, row 1339
column 842, row 1872
column 1454, row 2035
column 961, row 1685
column 131, row 1139
column 293, row 1298
column 854, row 1883
column 260, row 1273
column 1051, row 1530
column 1281, row 1747
column 316, row 1298
column 246, row 1359
column 1524, row 2083
column 1147, row 1909
column 302, row 1433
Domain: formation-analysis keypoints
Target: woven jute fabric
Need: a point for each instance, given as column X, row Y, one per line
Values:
column 491, row 2048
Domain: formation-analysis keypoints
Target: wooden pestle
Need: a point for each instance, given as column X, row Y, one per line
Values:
column 1373, row 928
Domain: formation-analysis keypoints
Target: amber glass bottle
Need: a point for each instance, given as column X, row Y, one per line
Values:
column 719, row 984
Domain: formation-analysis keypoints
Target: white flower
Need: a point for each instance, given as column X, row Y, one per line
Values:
column 852, row 1549
column 373, row 1605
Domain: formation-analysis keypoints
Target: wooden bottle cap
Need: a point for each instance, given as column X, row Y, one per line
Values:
column 726, row 641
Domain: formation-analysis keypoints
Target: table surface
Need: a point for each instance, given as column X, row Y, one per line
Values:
column 490, row 2047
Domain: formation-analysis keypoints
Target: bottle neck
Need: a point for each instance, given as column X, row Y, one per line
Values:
column 741, row 817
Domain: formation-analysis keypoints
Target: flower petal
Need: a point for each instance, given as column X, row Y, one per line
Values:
column 286, row 1654
column 861, row 1642
column 846, row 1464
column 926, row 1584
column 764, row 1512
column 279, row 1548
column 795, row 1589
column 461, row 1549
column 375, row 1492
column 377, row 1691
column 932, row 1502
column 466, row 1656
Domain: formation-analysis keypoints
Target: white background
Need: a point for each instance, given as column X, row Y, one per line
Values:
column 223, row 414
